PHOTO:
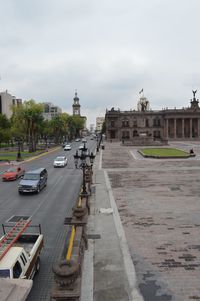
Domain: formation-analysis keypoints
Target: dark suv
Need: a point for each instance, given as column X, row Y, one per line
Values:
column 33, row 181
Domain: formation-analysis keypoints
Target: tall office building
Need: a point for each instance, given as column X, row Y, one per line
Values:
column 6, row 102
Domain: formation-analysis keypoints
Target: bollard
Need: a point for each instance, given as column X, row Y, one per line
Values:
column 67, row 273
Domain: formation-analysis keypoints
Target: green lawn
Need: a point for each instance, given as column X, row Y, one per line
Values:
column 163, row 152
column 13, row 155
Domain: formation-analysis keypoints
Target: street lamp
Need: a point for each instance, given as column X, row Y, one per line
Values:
column 19, row 157
column 83, row 164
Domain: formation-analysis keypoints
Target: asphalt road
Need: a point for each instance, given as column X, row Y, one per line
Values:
column 49, row 208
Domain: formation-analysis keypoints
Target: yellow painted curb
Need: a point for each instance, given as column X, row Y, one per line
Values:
column 41, row 155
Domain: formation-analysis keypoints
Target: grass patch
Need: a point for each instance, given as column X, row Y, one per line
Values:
column 163, row 152
column 12, row 156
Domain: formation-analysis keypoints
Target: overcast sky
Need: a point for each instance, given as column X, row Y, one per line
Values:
column 106, row 49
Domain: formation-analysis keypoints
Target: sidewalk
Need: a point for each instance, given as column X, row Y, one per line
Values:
column 108, row 272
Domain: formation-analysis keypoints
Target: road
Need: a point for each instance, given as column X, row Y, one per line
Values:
column 49, row 208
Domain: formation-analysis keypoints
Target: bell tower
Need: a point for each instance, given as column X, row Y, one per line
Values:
column 76, row 106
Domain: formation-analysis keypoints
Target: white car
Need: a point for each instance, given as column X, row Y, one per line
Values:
column 81, row 146
column 67, row 147
column 77, row 140
column 60, row 161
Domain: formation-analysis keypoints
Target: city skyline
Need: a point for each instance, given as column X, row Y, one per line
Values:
column 108, row 51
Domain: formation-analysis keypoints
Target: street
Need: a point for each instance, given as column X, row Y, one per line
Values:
column 49, row 208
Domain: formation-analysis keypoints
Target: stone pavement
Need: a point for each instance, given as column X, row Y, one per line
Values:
column 158, row 205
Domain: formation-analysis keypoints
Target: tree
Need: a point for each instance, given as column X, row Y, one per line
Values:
column 75, row 124
column 29, row 115
column 5, row 129
column 56, row 125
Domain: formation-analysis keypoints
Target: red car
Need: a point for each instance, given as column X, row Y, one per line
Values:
column 13, row 173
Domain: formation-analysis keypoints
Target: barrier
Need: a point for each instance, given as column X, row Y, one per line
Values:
column 67, row 272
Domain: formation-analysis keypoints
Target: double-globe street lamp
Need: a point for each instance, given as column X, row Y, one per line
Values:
column 83, row 164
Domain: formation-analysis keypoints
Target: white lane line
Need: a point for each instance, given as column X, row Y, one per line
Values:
column 128, row 263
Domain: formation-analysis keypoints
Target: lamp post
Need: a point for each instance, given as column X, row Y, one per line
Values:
column 83, row 164
column 19, row 157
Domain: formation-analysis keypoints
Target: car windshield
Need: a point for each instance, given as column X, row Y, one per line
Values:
column 31, row 176
column 12, row 170
column 60, row 159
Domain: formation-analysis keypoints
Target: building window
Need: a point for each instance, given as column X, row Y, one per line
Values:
column 112, row 123
column 147, row 123
column 125, row 135
column 135, row 133
column 125, row 123
column 156, row 122
column 112, row 135
column 134, row 123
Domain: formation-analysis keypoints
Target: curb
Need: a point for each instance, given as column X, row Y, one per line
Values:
column 134, row 294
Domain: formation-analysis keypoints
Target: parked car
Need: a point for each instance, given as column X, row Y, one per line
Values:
column 84, row 140
column 67, row 147
column 81, row 146
column 13, row 173
column 77, row 140
column 60, row 161
column 33, row 181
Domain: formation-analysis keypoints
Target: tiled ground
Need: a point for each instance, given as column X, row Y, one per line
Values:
column 159, row 205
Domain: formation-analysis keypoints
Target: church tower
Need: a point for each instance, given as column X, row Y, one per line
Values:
column 76, row 106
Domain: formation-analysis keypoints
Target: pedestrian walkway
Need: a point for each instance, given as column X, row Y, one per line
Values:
column 108, row 272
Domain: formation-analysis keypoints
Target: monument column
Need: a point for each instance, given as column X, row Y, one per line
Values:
column 183, row 125
column 190, row 127
column 174, row 128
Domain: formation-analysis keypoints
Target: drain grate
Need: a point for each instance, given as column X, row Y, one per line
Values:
column 94, row 236
column 17, row 218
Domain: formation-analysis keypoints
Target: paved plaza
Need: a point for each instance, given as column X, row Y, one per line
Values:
column 159, row 203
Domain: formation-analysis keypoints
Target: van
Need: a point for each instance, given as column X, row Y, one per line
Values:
column 33, row 181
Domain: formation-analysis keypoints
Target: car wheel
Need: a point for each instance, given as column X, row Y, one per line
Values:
column 38, row 189
column 20, row 192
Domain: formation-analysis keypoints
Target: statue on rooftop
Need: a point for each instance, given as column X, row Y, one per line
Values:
column 194, row 92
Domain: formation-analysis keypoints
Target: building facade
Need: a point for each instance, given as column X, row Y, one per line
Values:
column 50, row 111
column 145, row 125
column 99, row 123
column 6, row 102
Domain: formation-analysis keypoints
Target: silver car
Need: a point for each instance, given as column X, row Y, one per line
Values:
column 60, row 161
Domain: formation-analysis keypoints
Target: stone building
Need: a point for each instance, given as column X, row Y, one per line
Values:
column 99, row 123
column 146, row 126
column 7, row 101
column 51, row 111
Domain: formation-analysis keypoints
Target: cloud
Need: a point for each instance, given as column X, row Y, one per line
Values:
column 107, row 49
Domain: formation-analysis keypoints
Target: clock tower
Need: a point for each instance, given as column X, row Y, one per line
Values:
column 76, row 106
